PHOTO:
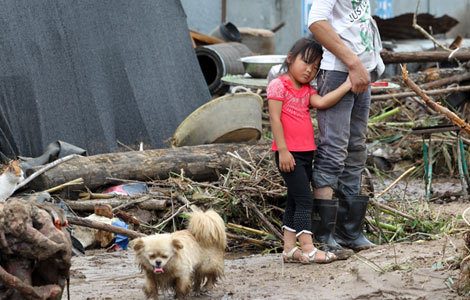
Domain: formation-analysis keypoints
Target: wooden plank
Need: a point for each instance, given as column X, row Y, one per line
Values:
column 203, row 38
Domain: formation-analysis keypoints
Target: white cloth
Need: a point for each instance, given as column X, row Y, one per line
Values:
column 353, row 22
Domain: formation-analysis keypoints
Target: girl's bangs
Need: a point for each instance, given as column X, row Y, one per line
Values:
column 309, row 55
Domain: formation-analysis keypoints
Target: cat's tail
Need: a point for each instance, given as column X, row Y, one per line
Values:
column 208, row 228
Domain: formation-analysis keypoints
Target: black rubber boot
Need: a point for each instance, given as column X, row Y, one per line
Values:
column 351, row 214
column 323, row 227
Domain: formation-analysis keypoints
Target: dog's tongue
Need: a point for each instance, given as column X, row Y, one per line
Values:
column 157, row 270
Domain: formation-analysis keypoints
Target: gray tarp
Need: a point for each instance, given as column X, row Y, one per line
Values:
column 92, row 73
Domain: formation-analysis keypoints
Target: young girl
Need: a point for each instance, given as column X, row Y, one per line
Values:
column 289, row 97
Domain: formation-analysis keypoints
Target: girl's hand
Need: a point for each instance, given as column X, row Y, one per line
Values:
column 348, row 83
column 286, row 161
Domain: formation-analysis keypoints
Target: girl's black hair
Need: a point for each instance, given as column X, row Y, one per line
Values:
column 308, row 49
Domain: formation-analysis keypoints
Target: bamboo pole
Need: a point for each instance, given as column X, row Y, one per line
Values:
column 385, row 115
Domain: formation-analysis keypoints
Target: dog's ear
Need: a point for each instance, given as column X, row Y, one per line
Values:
column 177, row 244
column 137, row 244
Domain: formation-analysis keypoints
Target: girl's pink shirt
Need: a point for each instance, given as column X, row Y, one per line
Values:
column 295, row 116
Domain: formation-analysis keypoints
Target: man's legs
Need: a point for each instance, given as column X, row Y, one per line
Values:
column 352, row 205
column 332, row 147
column 340, row 160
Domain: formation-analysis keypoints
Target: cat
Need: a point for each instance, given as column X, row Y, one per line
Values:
column 10, row 179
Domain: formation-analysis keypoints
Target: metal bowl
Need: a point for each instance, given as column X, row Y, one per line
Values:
column 258, row 66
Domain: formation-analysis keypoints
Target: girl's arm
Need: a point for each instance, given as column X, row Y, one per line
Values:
column 286, row 160
column 332, row 97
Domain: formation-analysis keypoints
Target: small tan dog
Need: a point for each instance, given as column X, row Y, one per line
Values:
column 183, row 260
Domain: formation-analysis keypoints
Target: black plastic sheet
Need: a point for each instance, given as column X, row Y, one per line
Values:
column 92, row 73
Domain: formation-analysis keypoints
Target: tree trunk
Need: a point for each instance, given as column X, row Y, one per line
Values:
column 200, row 163
column 390, row 57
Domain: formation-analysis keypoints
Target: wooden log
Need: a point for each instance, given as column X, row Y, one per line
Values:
column 428, row 92
column 89, row 205
column 200, row 163
column 446, row 81
column 105, row 227
column 390, row 57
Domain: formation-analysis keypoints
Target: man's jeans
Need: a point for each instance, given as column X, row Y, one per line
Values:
column 342, row 152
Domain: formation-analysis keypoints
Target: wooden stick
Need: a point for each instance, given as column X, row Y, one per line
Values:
column 133, row 202
column 440, row 109
column 252, row 230
column 447, row 80
column 262, row 218
column 89, row 205
column 78, row 181
column 424, row 32
column 44, row 169
column 464, row 88
column 395, row 182
column 105, row 227
column 171, row 217
column 90, row 195
column 253, row 241
column 386, row 207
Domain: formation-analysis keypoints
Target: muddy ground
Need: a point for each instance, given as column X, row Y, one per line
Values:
column 418, row 270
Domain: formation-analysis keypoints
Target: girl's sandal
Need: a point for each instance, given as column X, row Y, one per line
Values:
column 289, row 256
column 329, row 257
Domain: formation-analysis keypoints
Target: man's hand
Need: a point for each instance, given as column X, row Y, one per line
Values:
column 360, row 78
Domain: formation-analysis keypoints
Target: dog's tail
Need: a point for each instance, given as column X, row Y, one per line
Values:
column 208, row 228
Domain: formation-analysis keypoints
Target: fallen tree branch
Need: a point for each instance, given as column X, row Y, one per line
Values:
column 248, row 229
column 424, row 32
column 133, row 202
column 440, row 109
column 262, row 218
column 446, row 81
column 173, row 215
column 78, row 181
column 89, row 205
column 245, row 239
column 464, row 88
column 393, row 210
column 395, row 182
column 105, row 227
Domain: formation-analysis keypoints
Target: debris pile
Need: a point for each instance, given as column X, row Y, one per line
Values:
column 35, row 252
